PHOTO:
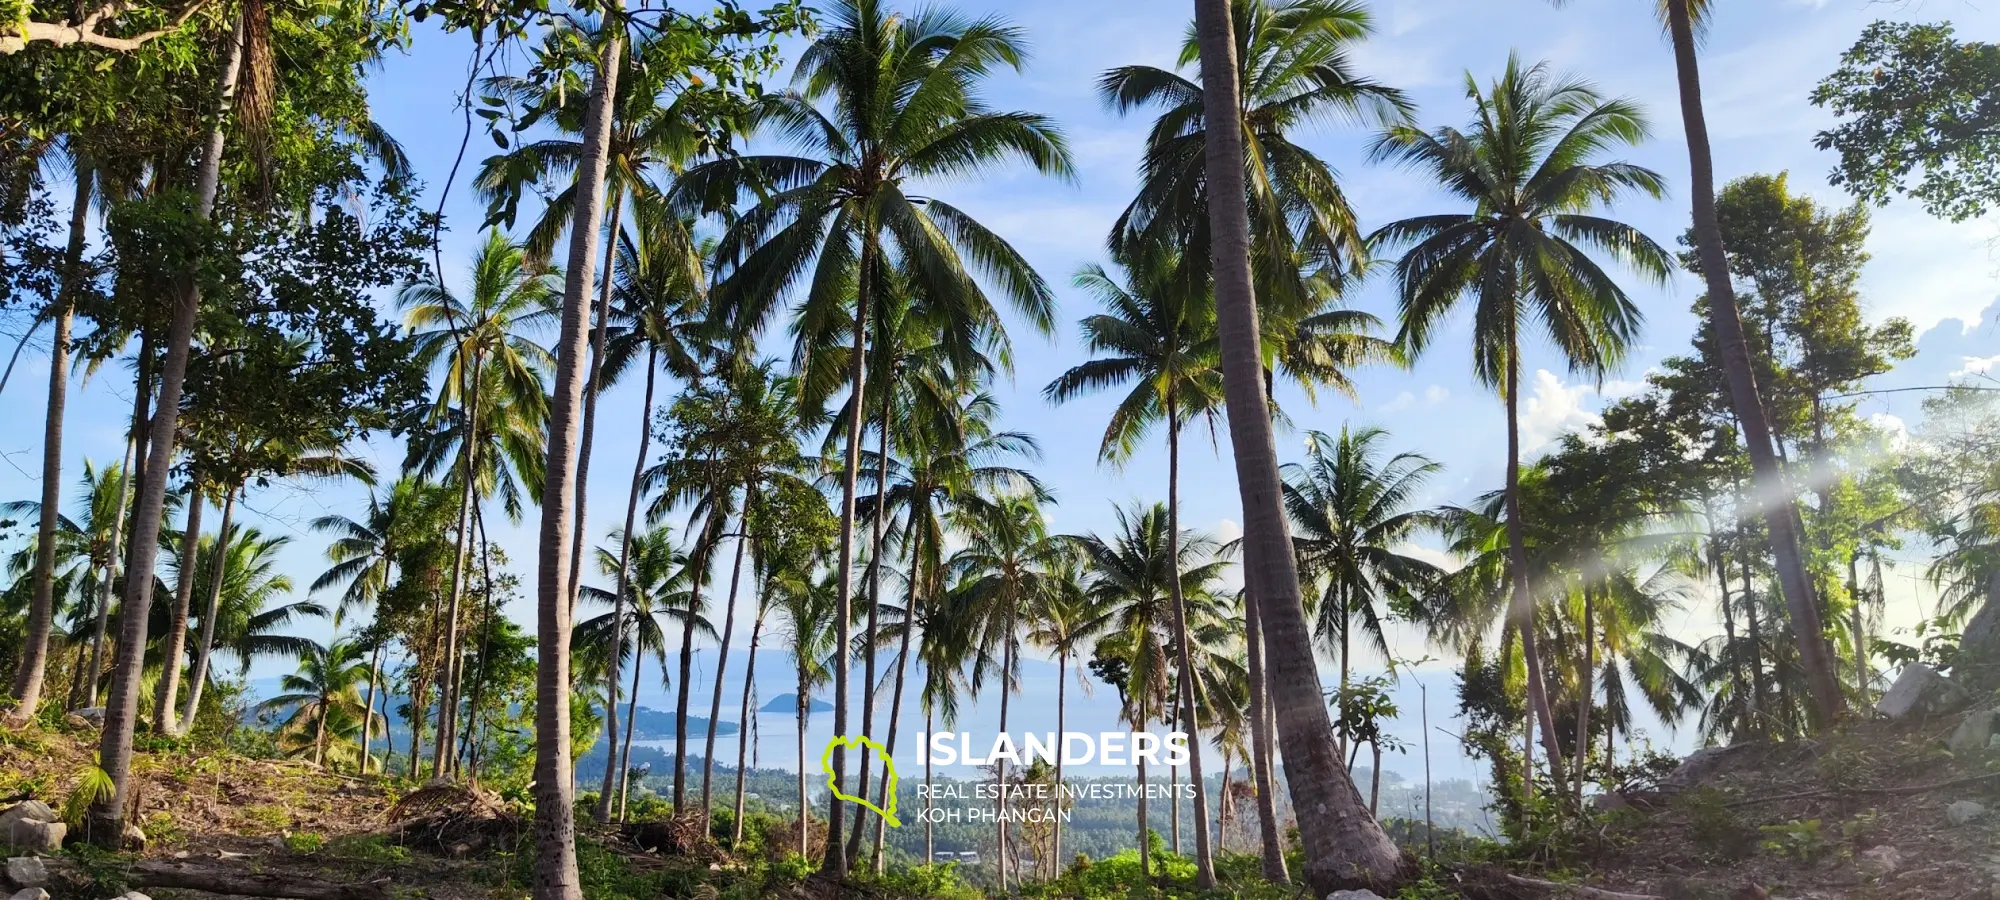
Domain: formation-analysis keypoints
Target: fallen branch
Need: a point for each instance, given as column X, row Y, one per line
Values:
column 241, row 881
column 1869, row 792
column 1558, row 889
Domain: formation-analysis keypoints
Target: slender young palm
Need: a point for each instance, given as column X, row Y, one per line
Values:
column 1351, row 511
column 1000, row 578
column 1158, row 333
column 1065, row 622
column 324, row 686
column 90, row 541
column 1294, row 65
column 1344, row 846
column 1143, row 577
column 805, row 611
column 905, row 105
column 486, row 364
column 1529, row 169
column 655, row 578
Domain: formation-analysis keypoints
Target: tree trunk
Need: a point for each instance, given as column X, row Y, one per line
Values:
column 743, row 718
column 631, row 725
column 700, row 563
column 41, row 608
column 835, row 863
column 1779, row 509
column 594, row 387
column 1007, row 663
column 1521, row 611
column 603, row 812
column 205, row 643
column 930, row 842
column 142, row 389
column 1375, row 778
column 1859, row 625
column 1759, row 689
column 1062, row 708
column 173, row 645
column 1145, row 829
column 1586, row 696
column 1344, row 846
column 1204, row 855
column 555, row 783
column 1270, row 843
column 896, row 717
column 368, row 714
column 447, row 730
column 1721, row 565
column 875, row 561
column 1222, row 808
column 470, row 743
column 722, row 662
column 805, row 820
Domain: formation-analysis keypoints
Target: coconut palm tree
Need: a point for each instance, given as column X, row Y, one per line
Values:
column 1351, row 511
column 805, row 607
column 1001, row 576
column 656, row 588
column 905, row 106
column 491, row 391
column 1158, row 334
column 1065, row 622
column 1530, row 169
column 1133, row 578
column 323, row 687
column 1343, row 845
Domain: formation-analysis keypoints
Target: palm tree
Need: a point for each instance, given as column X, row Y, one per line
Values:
column 90, row 541
column 1067, row 618
column 1350, row 507
column 904, row 92
column 1342, row 845
column 486, row 364
column 1293, row 64
column 805, row 610
column 1133, row 578
column 324, row 686
column 1158, row 333
column 656, row 576
column 1528, row 167
column 1001, row 576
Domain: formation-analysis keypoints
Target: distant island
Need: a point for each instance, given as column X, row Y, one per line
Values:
column 656, row 725
column 789, row 703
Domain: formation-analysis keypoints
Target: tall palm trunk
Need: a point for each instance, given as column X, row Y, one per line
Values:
column 1344, row 846
column 611, row 767
column 896, row 717
column 699, row 563
column 722, row 660
column 594, row 387
column 1779, row 509
column 111, row 562
column 1204, row 855
column 1759, row 687
column 875, row 560
column 631, row 725
column 555, row 782
column 41, row 609
column 173, row 645
column 835, row 863
column 1222, row 809
column 1270, row 844
column 805, row 809
column 470, row 743
column 930, row 842
column 368, row 713
column 205, row 643
column 1521, row 610
column 1062, row 703
column 447, row 713
column 743, row 718
column 1145, row 830
column 1587, row 679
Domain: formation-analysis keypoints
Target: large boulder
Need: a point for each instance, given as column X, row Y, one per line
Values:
column 1921, row 691
column 1974, row 733
column 27, row 872
column 1963, row 811
column 32, row 826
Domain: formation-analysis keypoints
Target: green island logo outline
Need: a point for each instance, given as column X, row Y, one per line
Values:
column 888, row 762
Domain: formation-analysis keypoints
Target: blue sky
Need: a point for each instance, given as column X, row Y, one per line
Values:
column 1760, row 62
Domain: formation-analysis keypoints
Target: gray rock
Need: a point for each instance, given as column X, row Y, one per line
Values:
column 1963, row 811
column 27, row 872
column 134, row 895
column 37, row 837
column 30, row 894
column 1921, row 691
column 94, row 715
column 1354, row 895
column 1881, row 861
column 1974, row 733
column 34, row 810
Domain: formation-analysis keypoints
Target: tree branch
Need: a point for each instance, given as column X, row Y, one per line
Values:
column 86, row 32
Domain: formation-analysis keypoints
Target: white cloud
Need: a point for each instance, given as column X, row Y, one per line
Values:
column 1554, row 409
column 1893, row 427
column 1226, row 530
column 1430, row 555
column 1975, row 365
column 1402, row 401
column 1436, row 394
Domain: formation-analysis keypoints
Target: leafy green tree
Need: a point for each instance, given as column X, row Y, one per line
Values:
column 1913, row 97
column 1529, row 169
